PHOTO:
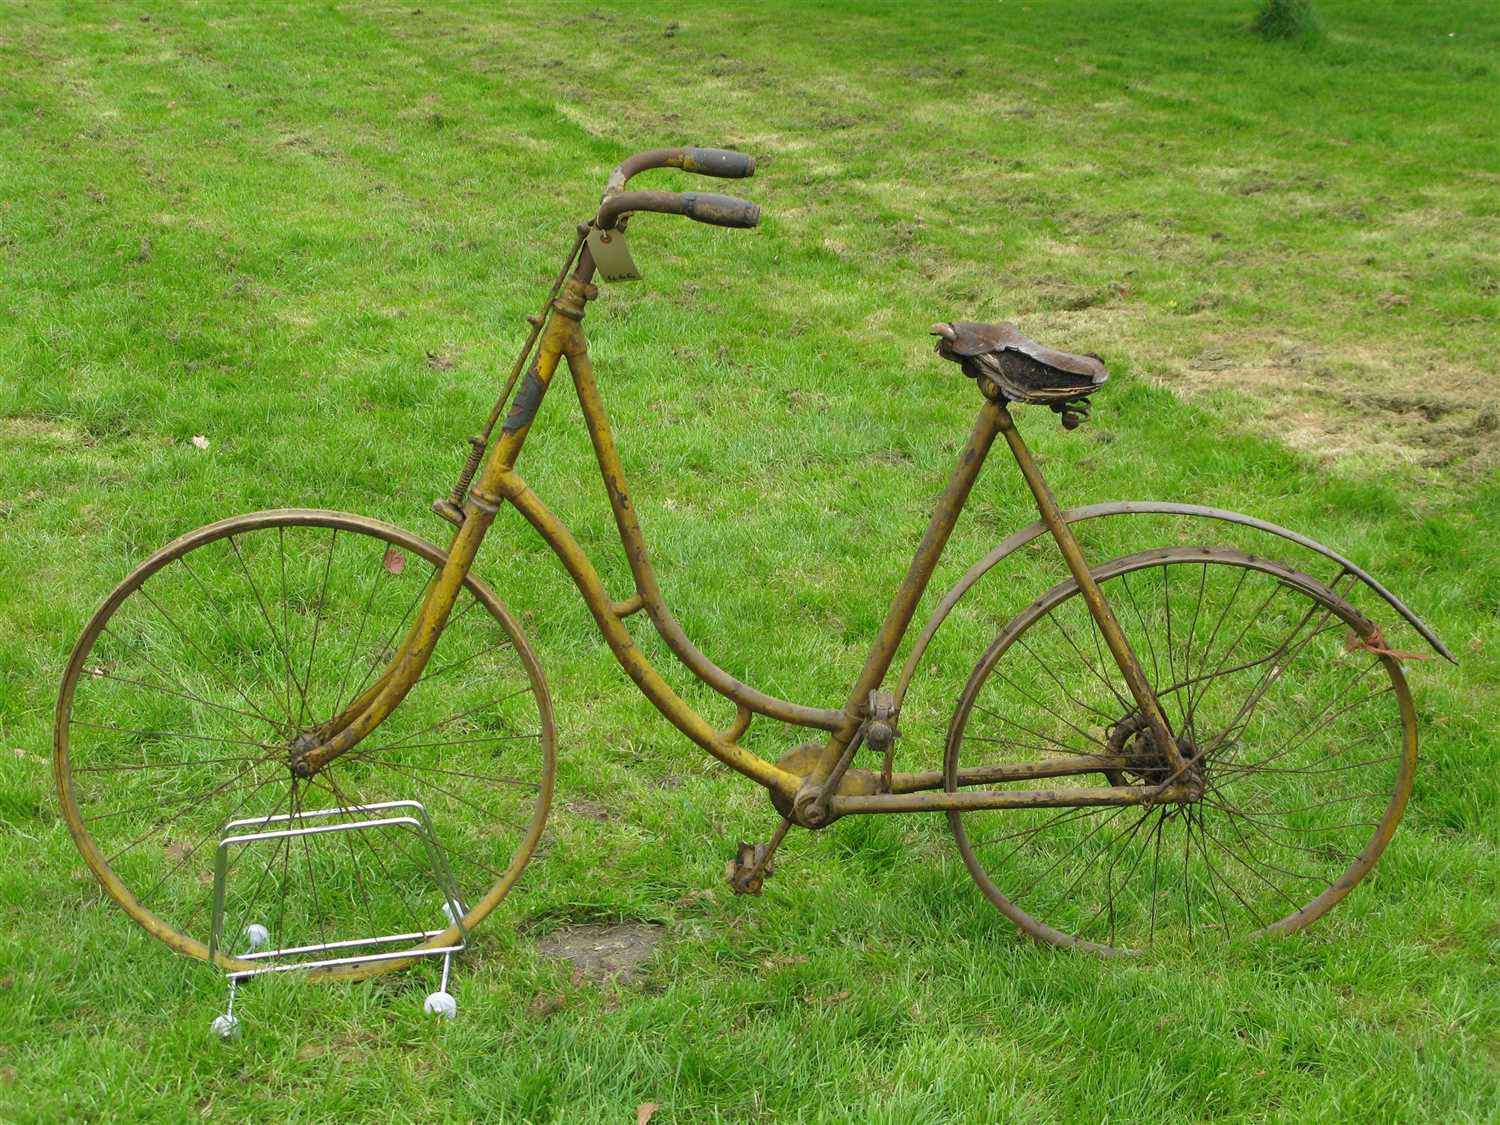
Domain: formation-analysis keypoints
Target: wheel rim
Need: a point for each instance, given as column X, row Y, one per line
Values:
column 1305, row 738
column 183, row 695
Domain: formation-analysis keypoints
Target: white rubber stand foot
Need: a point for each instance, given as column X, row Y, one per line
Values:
column 441, row 1004
column 451, row 914
column 226, row 1026
column 256, row 935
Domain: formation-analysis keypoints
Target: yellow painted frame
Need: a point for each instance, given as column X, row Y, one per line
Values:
column 803, row 793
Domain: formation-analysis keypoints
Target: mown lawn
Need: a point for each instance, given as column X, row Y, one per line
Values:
column 309, row 234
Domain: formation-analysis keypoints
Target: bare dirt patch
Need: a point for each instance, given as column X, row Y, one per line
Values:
column 598, row 952
column 590, row 810
column 23, row 426
column 1356, row 404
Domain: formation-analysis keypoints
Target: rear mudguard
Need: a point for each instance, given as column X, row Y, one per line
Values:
column 1146, row 507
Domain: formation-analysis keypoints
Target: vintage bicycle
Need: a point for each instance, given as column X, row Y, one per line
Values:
column 285, row 718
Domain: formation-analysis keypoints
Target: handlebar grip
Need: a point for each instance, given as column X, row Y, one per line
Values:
column 718, row 162
column 720, row 210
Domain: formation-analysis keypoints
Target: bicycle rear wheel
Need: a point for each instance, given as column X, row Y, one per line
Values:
column 187, row 688
column 1304, row 736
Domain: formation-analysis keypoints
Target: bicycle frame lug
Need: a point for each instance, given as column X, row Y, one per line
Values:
column 810, row 805
column 301, row 746
column 449, row 511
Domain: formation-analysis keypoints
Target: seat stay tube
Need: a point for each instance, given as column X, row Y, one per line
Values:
column 1098, row 606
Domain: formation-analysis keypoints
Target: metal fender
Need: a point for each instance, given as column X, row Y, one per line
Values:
column 1025, row 535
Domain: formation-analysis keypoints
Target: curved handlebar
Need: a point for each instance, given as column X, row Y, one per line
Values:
column 705, row 161
column 700, row 206
column 703, row 207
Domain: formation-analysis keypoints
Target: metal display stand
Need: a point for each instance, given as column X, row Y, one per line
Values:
column 408, row 816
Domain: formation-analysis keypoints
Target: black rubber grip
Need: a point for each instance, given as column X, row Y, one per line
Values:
column 720, row 210
column 718, row 162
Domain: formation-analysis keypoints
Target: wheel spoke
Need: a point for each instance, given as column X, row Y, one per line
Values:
column 225, row 618
column 281, row 642
column 106, row 674
column 317, row 616
column 1208, row 645
column 184, row 701
column 1047, row 668
column 146, row 732
column 1282, row 733
column 340, row 701
column 206, row 836
column 223, row 676
column 1084, row 660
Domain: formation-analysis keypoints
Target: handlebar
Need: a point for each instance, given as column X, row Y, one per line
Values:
column 705, row 161
column 702, row 207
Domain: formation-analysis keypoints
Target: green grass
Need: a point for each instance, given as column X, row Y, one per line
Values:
column 255, row 224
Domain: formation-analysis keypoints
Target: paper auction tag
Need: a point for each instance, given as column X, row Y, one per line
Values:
column 612, row 255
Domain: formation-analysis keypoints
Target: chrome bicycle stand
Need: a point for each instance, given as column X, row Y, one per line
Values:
column 397, row 815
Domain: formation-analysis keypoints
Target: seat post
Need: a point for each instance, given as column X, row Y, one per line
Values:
column 1099, row 608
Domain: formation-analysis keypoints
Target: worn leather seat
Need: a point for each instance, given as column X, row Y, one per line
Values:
column 1022, row 369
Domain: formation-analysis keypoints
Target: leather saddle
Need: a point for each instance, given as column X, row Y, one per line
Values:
column 1022, row 369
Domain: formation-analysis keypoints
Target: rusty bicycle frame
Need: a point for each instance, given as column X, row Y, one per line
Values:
column 814, row 784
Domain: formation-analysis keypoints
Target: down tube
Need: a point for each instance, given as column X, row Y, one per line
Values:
column 656, row 689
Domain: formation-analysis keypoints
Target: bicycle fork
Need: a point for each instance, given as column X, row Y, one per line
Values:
column 325, row 742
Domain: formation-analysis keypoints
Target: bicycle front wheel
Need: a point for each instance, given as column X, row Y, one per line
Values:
column 189, row 686
column 1303, row 734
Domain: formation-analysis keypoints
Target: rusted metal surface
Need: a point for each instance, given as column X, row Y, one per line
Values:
column 702, row 207
column 1099, row 608
column 647, row 587
column 631, row 659
column 1059, row 766
column 451, row 509
column 819, row 781
column 742, row 719
column 1080, row 797
column 718, row 162
column 751, row 865
column 1135, row 755
column 633, row 604
column 345, row 731
column 527, row 402
column 226, row 530
column 801, row 761
column 1018, row 539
